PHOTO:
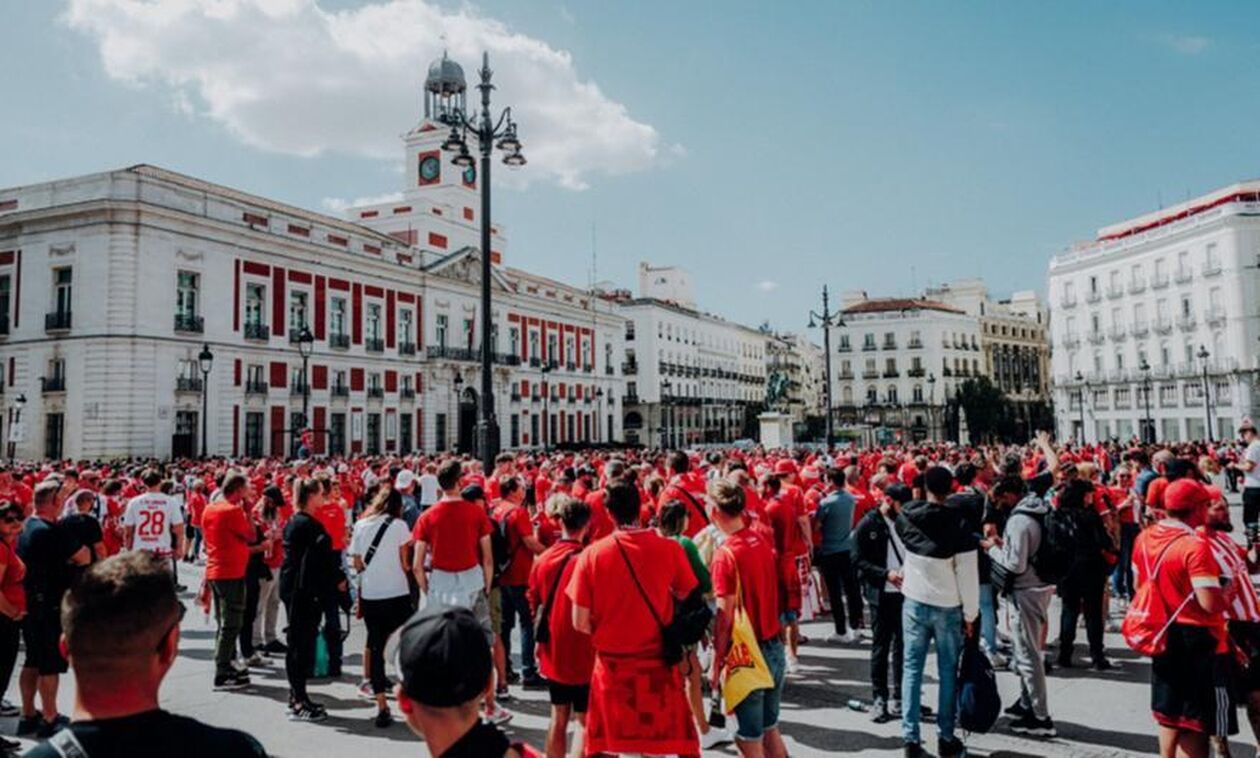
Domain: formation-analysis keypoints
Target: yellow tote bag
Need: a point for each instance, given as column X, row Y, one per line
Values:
column 745, row 668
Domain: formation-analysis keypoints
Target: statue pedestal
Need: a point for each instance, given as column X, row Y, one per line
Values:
column 776, row 430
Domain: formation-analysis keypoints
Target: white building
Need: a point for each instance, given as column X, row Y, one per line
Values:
column 111, row 283
column 691, row 377
column 897, row 361
column 801, row 363
column 1133, row 311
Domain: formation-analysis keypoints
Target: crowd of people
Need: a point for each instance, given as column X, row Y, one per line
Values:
column 654, row 593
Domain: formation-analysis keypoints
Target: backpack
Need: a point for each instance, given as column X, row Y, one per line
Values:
column 500, row 546
column 979, row 703
column 1058, row 549
column 1147, row 621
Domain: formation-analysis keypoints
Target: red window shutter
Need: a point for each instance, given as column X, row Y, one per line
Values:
column 389, row 319
column 468, row 214
column 236, row 373
column 279, row 374
column 524, row 386
column 277, row 301
column 356, row 314
column 319, row 377
column 391, row 381
column 319, row 428
column 419, row 382
column 356, row 379
column 437, row 240
column 277, row 430
column 236, row 298
column 320, row 307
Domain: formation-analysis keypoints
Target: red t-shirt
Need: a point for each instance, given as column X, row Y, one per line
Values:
column 1117, row 497
column 20, row 494
column 332, row 516
column 227, row 537
column 453, row 530
column 601, row 523
column 696, row 519
column 542, row 487
column 1155, row 493
column 1187, row 564
column 14, row 572
column 621, row 622
column 748, row 555
column 862, row 502
column 196, row 506
column 517, row 527
column 783, row 518
column 577, row 658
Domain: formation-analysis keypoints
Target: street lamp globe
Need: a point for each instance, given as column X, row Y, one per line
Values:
column 306, row 343
column 205, row 358
column 1203, row 353
column 514, row 159
column 464, row 159
column 20, row 402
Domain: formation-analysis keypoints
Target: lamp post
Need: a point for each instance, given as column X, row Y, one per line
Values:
column 546, row 369
column 205, row 359
column 1148, row 432
column 486, row 129
column 458, row 382
column 1080, row 402
column 19, row 403
column 599, row 411
column 931, row 380
column 827, row 319
column 1207, row 398
column 665, row 388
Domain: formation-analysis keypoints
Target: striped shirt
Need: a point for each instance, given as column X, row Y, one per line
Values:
column 1244, row 603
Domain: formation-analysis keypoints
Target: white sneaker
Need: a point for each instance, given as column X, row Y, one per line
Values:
column 998, row 660
column 793, row 664
column 713, row 738
column 255, row 660
column 849, row 637
column 499, row 716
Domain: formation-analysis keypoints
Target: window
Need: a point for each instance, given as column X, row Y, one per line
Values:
column 339, row 379
column 253, row 435
column 404, row 326
column 439, row 432
column 337, row 317
column 440, row 329
column 54, row 435
column 297, row 312
column 514, row 340
column 1187, row 307
column 1212, row 257
column 372, row 326
column 255, row 300
column 6, row 302
column 844, row 342
column 62, row 288
column 469, row 333
column 917, row 393
column 188, row 284
column 551, row 348
column 533, row 345
column 868, row 341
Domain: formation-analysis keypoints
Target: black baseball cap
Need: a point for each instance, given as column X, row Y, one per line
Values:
column 472, row 493
column 444, row 657
column 899, row 493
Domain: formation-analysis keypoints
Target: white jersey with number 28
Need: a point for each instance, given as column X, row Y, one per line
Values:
column 152, row 515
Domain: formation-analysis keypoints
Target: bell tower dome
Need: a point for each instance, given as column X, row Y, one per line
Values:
column 444, row 90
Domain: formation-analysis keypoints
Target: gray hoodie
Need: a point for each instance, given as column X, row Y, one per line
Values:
column 1020, row 542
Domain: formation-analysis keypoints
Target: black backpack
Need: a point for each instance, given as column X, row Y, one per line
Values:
column 500, row 547
column 1060, row 538
column 979, row 703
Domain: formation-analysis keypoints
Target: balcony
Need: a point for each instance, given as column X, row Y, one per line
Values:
column 375, row 393
column 339, row 390
column 1163, row 325
column 1093, row 296
column 1067, row 301
column 256, row 330
column 1096, row 336
column 570, row 366
column 1114, row 292
column 339, row 341
column 406, row 348
column 915, row 344
column 1186, row 322
column 893, row 374
column 1139, row 329
column 1137, row 286
column 374, row 345
column 1159, row 281
column 535, row 396
column 515, row 396
column 1211, row 268
column 609, row 370
column 890, row 345
column 255, row 387
column 470, row 356
column 1215, row 316
column 407, row 393
column 57, row 321
column 588, row 368
column 1071, row 340
column 535, row 362
column 295, row 333
column 299, row 389
column 1117, row 333
column 916, row 373
column 845, row 375
column 188, row 384
column 189, row 324
column 51, row 384
column 844, row 348
column 1183, row 275
column 870, row 373
column 868, row 347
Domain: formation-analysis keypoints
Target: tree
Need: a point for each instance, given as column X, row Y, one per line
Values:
column 989, row 414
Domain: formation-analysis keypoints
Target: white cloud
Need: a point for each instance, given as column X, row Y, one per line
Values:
column 289, row 76
column 1187, row 44
column 338, row 205
column 767, row 285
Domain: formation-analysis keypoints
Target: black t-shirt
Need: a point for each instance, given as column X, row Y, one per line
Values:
column 85, row 529
column 45, row 547
column 309, row 566
column 156, row 734
column 481, row 741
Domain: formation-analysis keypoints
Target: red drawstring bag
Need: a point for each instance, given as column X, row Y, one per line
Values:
column 1146, row 623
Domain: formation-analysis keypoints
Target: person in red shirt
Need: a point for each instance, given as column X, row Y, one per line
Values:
column 745, row 564
column 196, row 506
column 12, row 596
column 332, row 516
column 791, row 544
column 1185, row 689
column 14, row 491
column 601, row 522
column 565, row 658
column 228, row 534
column 513, row 518
column 622, row 585
column 680, row 488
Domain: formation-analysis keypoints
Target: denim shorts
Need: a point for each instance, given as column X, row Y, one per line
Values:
column 759, row 712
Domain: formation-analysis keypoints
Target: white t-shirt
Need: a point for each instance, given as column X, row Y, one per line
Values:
column 427, row 489
column 1252, row 453
column 152, row 514
column 384, row 577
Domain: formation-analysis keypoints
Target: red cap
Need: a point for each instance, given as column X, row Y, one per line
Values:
column 1214, row 492
column 1185, row 495
column 785, row 466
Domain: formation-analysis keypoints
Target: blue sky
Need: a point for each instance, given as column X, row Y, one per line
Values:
column 767, row 147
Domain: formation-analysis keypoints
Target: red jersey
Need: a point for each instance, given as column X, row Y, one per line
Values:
column 196, row 506
column 332, row 516
column 1244, row 605
column 696, row 518
column 783, row 519
column 14, row 572
column 747, row 560
column 453, row 530
column 577, row 658
column 1187, row 564
column 228, row 534
column 622, row 623
column 517, row 526
column 601, row 523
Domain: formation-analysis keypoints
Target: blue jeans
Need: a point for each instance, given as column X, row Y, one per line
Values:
column 759, row 712
column 988, row 617
column 516, row 606
column 920, row 625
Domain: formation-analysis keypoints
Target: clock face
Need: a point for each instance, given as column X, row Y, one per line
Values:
column 470, row 176
column 430, row 169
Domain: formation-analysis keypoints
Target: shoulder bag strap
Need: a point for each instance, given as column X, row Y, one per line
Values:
column 376, row 541
column 642, row 593
column 555, row 587
column 694, row 504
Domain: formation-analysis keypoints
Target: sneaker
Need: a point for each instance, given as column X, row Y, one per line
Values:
column 533, row 682
column 513, row 677
column 848, row 638
column 49, row 728
column 307, row 711
column 879, row 711
column 240, row 665
column 793, row 664
column 999, row 661
column 1032, row 726
column 10, row 746
column 713, row 738
column 502, row 695
column 27, row 726
column 384, row 719
column 8, row 710
column 233, row 681
column 275, row 647
column 1018, row 710
column 255, row 661
column 1102, row 664
column 950, row 747
column 498, row 716
column 365, row 690
column 912, row 750
column 894, row 708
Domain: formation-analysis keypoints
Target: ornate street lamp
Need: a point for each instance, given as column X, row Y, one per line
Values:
column 1207, row 397
column 931, row 380
column 546, row 369
column 205, row 360
column 1148, row 433
column 486, row 129
column 665, row 388
column 1080, row 402
column 19, row 403
column 827, row 319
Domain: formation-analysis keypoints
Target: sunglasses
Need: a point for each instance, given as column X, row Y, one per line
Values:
column 178, row 619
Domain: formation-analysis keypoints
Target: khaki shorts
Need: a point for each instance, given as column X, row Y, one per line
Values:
column 462, row 589
column 496, row 609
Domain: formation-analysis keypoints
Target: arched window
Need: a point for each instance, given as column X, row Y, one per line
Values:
column 872, row 394
column 892, row 393
column 846, row 395
column 917, row 393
